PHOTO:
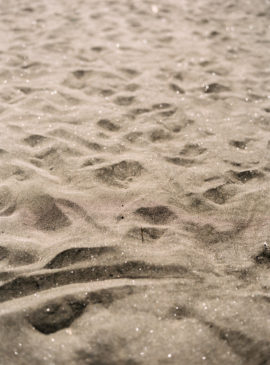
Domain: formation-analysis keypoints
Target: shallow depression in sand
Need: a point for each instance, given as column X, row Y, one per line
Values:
column 134, row 192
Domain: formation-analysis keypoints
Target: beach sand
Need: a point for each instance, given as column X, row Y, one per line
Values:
column 134, row 194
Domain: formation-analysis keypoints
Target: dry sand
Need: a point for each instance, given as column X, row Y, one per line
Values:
column 134, row 196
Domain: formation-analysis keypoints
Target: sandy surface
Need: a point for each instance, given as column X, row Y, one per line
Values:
column 134, row 196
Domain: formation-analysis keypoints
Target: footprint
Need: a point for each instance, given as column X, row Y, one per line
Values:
column 92, row 161
column 108, row 125
column 219, row 194
column 186, row 162
column 161, row 106
column 33, row 65
column 139, row 111
column 159, row 214
column 74, row 255
column 34, row 140
column 146, row 233
column 50, row 156
column 208, row 234
column 159, row 135
column 60, row 313
column 239, row 144
column 132, row 87
column 195, row 203
column 107, row 92
column 28, row 9
column 234, row 163
column 2, row 152
column 178, row 76
column 215, row 88
column 263, row 257
column 166, row 39
column 133, row 136
column 56, row 315
column 40, row 211
column 79, row 74
column 98, row 49
column 213, row 34
column 192, row 150
column 177, row 89
column 26, row 90
column 167, row 113
column 247, row 175
column 17, row 257
column 179, row 312
column 124, row 100
column 130, row 72
column 119, row 172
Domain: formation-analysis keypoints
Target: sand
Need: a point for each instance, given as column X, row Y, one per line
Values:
column 134, row 194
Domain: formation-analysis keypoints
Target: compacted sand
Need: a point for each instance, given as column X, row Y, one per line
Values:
column 135, row 168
